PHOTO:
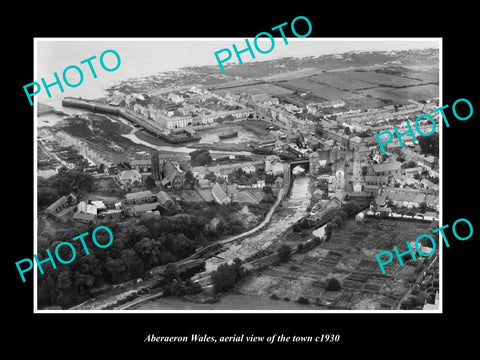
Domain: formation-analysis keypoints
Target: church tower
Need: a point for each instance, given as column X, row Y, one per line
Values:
column 156, row 169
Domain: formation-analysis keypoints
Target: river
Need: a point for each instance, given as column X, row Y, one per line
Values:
column 293, row 209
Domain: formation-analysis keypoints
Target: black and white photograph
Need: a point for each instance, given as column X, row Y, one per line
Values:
column 217, row 180
column 261, row 187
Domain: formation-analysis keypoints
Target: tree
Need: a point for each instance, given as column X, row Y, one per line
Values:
column 364, row 170
column 342, row 214
column 284, row 253
column 210, row 176
column 224, row 278
column 337, row 221
column 429, row 144
column 268, row 199
column 269, row 179
column 136, row 233
column 333, row 285
column 408, row 165
column 328, row 231
column 423, row 207
column 347, row 131
column 149, row 250
column 189, row 178
column 46, row 196
column 150, row 182
column 170, row 273
column 351, row 208
column 267, row 190
column 200, row 157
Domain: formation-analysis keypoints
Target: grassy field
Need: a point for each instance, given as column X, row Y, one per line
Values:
column 322, row 91
column 350, row 258
column 420, row 92
column 263, row 88
column 339, row 81
column 380, row 79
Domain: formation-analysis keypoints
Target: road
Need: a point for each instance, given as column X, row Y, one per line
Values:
column 52, row 155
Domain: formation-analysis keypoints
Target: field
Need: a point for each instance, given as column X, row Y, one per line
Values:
column 424, row 73
column 350, row 258
column 420, row 92
column 322, row 91
column 256, row 89
column 380, row 79
column 339, row 81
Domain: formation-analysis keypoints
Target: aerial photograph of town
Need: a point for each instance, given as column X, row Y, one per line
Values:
column 258, row 188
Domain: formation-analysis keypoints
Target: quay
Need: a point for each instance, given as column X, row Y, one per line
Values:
column 174, row 137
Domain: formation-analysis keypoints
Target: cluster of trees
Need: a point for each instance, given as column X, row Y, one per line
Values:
column 409, row 164
column 225, row 118
column 332, row 284
column 429, row 145
column 301, row 248
column 284, row 253
column 350, row 208
column 176, row 286
column 226, row 276
column 63, row 183
column 242, row 178
column 200, row 157
column 136, row 248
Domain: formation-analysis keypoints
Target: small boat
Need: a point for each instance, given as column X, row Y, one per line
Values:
column 228, row 135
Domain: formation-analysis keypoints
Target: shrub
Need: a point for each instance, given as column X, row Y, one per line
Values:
column 303, row 300
column 337, row 221
column 274, row 297
column 333, row 285
column 284, row 253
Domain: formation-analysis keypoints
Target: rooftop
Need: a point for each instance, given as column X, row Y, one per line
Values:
column 138, row 195
column 391, row 166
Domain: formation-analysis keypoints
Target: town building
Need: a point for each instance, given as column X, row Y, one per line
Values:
column 86, row 218
column 273, row 165
column 220, row 195
column 164, row 199
column 129, row 178
column 391, row 168
column 172, row 175
column 155, row 168
column 140, row 197
column 143, row 166
column 138, row 210
column 61, row 204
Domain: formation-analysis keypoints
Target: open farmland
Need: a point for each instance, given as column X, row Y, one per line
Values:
column 420, row 92
column 263, row 88
column 324, row 92
column 380, row 78
column 350, row 258
column 337, row 80
column 427, row 73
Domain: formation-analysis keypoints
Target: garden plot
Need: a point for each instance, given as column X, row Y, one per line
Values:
column 350, row 258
